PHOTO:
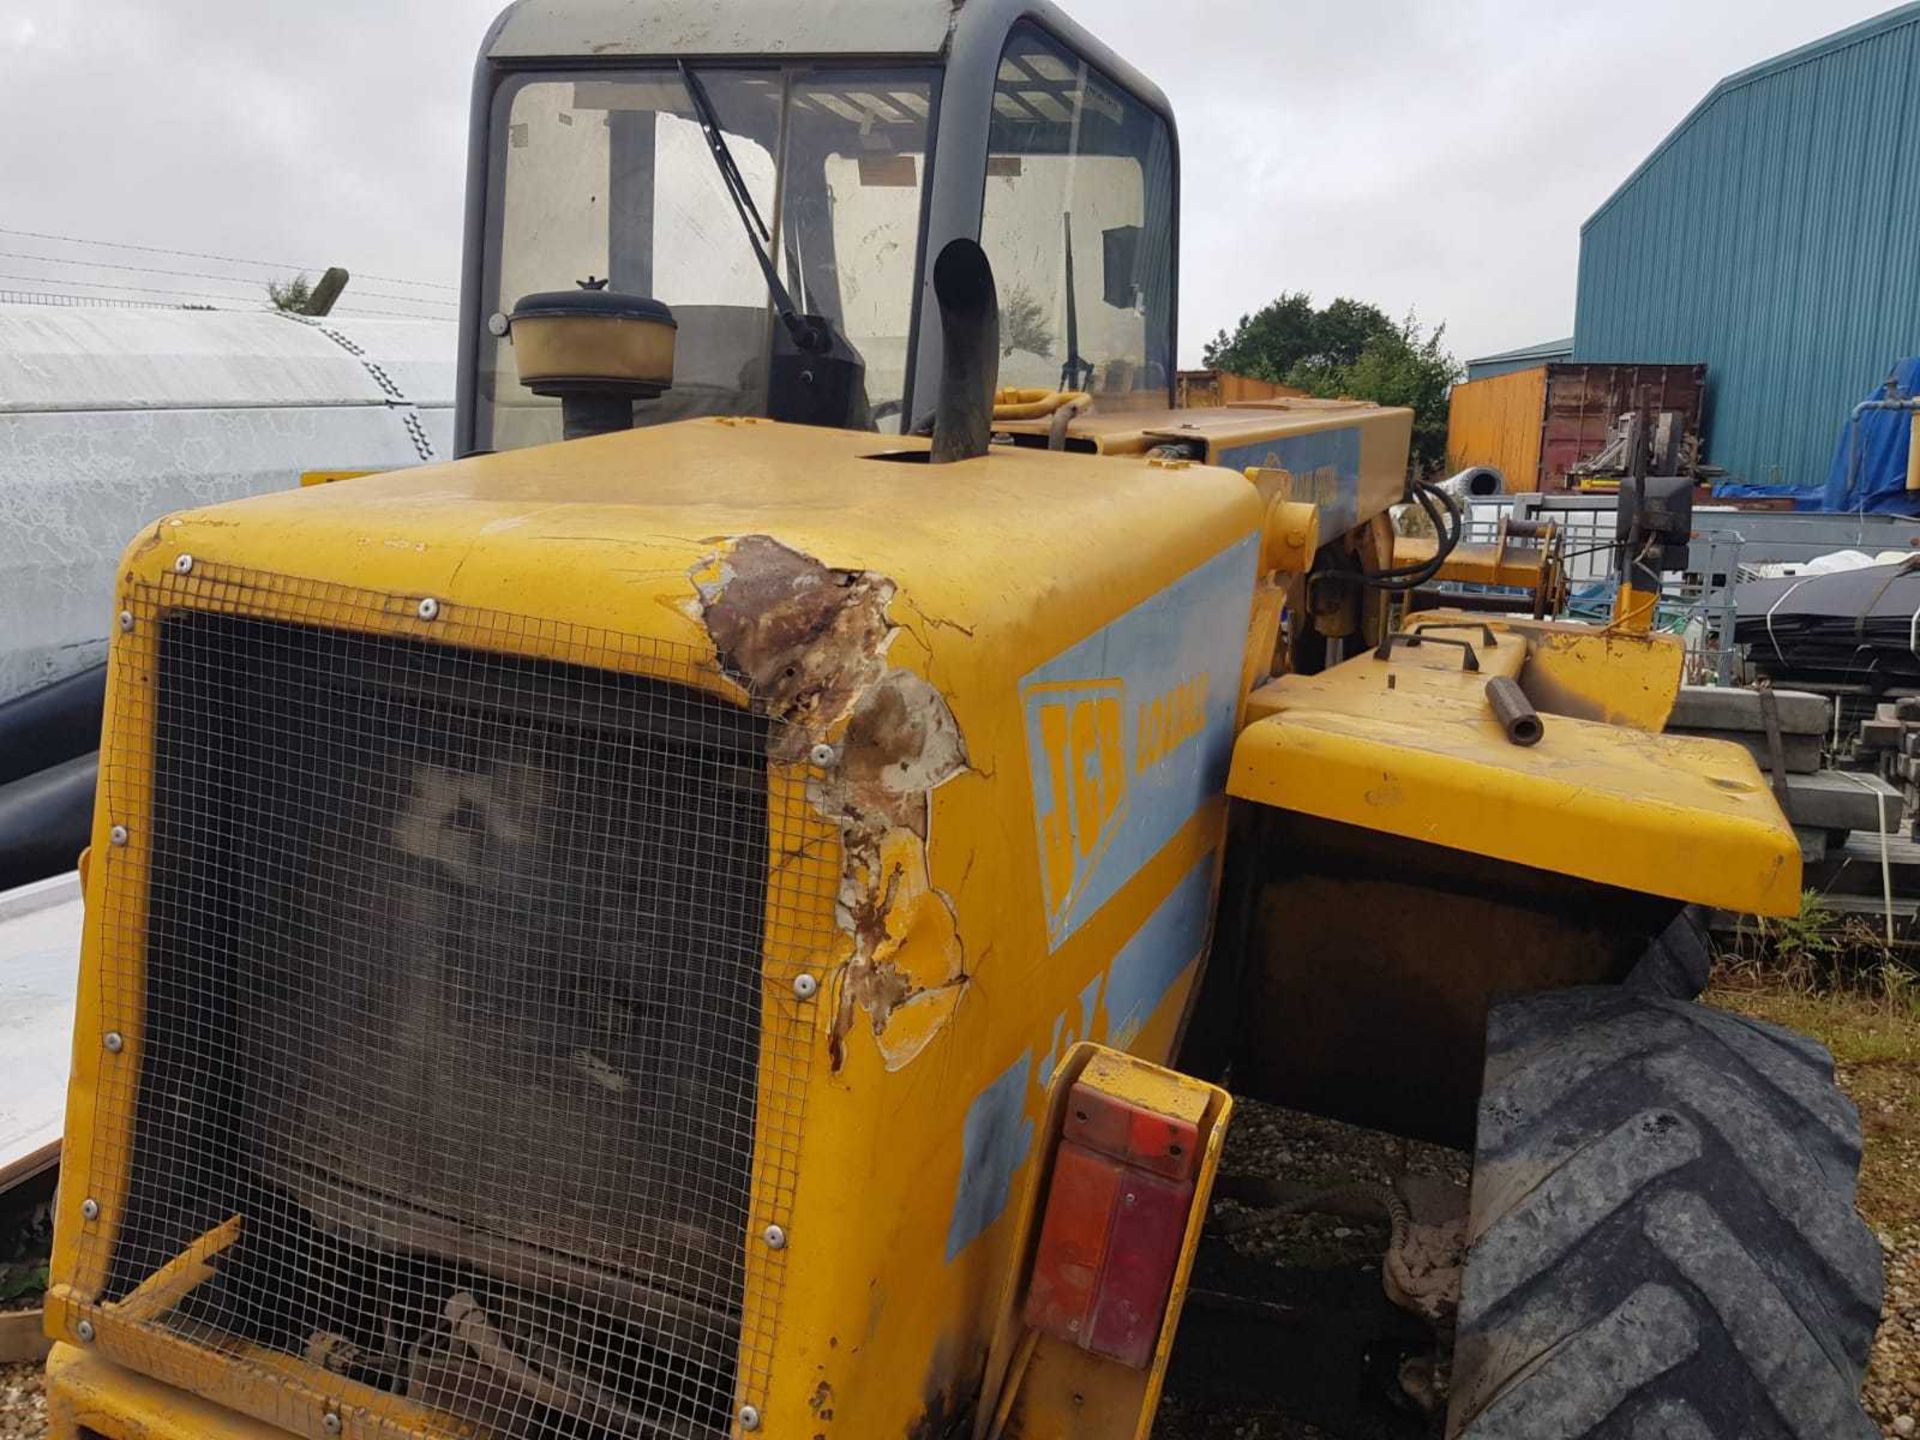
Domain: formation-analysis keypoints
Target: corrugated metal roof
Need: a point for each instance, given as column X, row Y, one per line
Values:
column 1504, row 362
column 1775, row 234
column 1813, row 50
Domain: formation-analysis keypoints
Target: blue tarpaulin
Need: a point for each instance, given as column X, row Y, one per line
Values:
column 1869, row 471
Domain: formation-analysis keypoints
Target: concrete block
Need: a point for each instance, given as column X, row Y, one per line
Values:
column 1813, row 844
column 1882, row 734
column 1907, row 708
column 1730, row 707
column 1801, row 752
column 1885, row 711
column 1841, row 800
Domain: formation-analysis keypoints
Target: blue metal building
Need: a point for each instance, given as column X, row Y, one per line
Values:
column 1775, row 235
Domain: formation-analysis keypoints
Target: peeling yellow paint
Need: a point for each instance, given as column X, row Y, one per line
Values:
column 810, row 645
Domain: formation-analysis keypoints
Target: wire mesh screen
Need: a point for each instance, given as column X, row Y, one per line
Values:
column 453, row 1044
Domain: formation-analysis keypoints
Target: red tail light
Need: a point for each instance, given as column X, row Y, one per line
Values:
column 1116, row 1213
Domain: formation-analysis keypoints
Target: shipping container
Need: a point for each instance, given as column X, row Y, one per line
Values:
column 1535, row 425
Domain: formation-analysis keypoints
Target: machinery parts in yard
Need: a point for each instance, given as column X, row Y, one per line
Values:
column 685, row 931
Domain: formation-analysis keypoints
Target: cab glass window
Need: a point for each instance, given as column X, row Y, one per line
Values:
column 608, row 175
column 1077, row 220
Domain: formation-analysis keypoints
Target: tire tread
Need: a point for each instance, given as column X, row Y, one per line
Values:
column 1651, row 1169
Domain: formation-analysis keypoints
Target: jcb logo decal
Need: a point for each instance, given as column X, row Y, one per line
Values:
column 1085, row 795
column 1168, row 721
column 1130, row 731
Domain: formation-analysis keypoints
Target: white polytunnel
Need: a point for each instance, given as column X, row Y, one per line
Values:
column 111, row 418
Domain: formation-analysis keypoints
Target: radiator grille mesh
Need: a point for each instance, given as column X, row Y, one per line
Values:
column 456, row 966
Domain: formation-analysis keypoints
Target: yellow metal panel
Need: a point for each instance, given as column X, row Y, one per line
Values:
column 1498, row 421
column 327, row 477
column 1411, row 748
column 1419, row 673
column 1588, row 672
column 1244, row 390
column 1349, row 484
column 91, row 1396
column 1475, row 562
column 1235, row 436
column 614, row 535
column 1592, row 672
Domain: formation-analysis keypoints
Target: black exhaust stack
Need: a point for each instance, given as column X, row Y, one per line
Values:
column 970, row 352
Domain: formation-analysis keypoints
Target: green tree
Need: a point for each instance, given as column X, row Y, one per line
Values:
column 1269, row 343
column 1266, row 344
column 290, row 295
column 1344, row 330
column 1403, row 365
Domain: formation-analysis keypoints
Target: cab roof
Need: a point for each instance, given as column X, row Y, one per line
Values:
column 531, row 29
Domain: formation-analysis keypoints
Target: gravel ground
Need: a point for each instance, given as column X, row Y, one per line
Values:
column 1340, row 1398
column 23, row 1406
column 1893, row 1380
column 1876, row 1043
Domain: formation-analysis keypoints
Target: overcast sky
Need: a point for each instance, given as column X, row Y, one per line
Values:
column 1419, row 154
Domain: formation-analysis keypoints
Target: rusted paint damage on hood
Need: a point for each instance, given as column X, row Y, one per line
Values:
column 809, row 643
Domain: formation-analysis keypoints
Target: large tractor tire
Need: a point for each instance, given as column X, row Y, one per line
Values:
column 1663, row 1238
column 1679, row 960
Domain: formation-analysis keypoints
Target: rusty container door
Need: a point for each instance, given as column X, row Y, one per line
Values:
column 1497, row 422
column 1584, row 400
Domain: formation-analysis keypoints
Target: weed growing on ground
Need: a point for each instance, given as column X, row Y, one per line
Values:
column 1821, row 950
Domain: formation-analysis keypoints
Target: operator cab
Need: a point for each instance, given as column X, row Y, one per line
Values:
column 782, row 177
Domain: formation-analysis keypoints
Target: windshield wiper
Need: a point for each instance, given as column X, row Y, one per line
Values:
column 1077, row 371
column 809, row 332
column 814, row 377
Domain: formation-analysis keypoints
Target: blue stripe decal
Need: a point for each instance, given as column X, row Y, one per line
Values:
column 1130, row 731
column 1325, row 465
column 993, row 1144
column 997, row 1135
column 1148, row 964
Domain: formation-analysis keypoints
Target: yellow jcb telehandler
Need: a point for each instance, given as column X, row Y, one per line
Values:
column 723, row 911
